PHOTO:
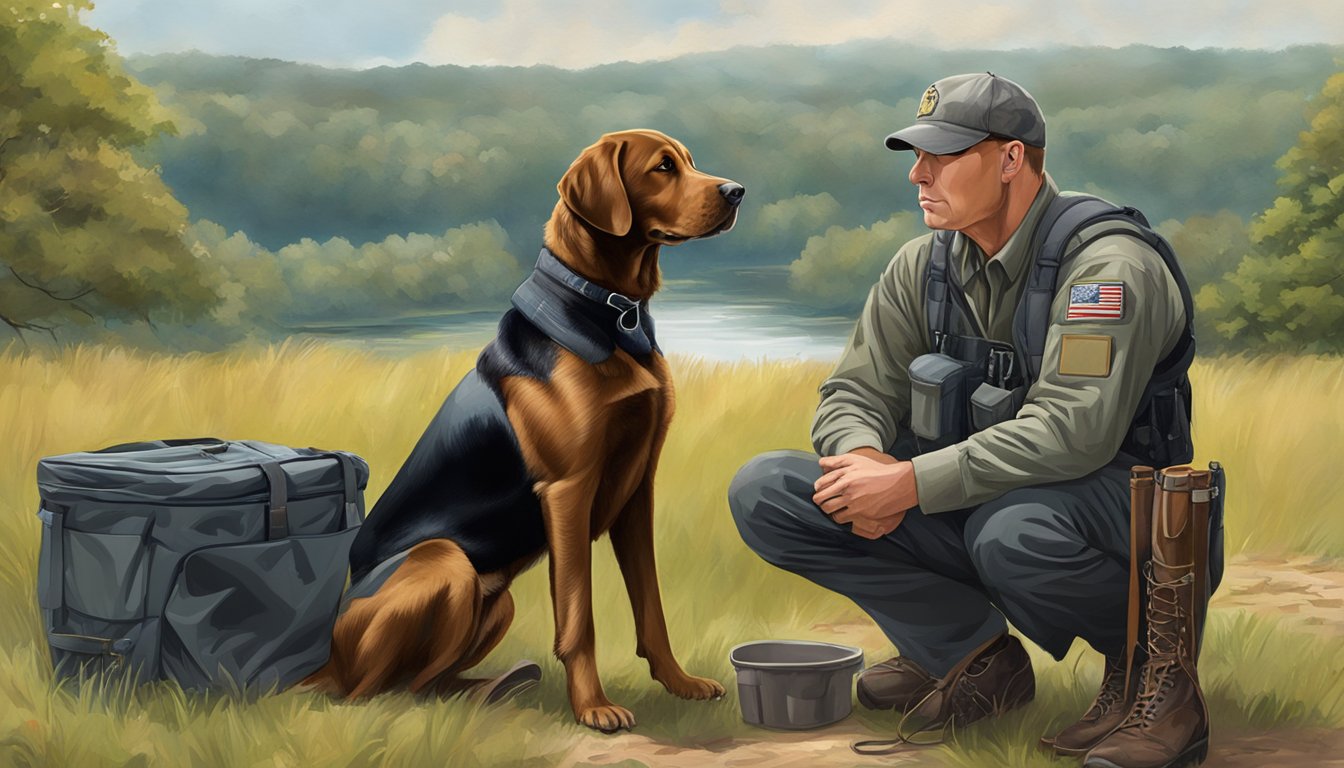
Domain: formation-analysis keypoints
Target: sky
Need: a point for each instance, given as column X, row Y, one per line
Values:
column 582, row 33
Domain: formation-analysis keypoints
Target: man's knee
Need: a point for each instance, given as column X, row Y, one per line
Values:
column 1021, row 529
column 766, row 486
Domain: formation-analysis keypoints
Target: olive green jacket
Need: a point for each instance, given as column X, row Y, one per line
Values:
column 1074, row 419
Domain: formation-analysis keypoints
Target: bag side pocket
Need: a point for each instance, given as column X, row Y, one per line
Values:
column 256, row 616
column 106, row 574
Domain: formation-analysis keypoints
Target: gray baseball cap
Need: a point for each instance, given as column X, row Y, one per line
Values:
column 958, row 112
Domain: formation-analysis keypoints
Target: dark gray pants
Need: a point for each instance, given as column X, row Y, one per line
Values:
column 1053, row 559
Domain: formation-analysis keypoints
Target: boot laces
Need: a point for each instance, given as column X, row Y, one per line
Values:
column 1166, row 646
column 1112, row 691
column 1157, row 680
column 1165, row 637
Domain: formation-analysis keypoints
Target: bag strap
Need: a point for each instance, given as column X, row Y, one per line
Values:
column 211, row 445
column 1152, row 445
column 277, row 510
column 90, row 645
column 1065, row 215
column 277, row 514
column 51, row 577
column 937, row 305
column 349, row 477
column 940, row 300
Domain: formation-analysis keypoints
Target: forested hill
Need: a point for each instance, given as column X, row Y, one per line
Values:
column 283, row 151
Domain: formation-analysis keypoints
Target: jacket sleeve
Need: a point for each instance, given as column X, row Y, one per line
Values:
column 867, row 396
column 1093, row 374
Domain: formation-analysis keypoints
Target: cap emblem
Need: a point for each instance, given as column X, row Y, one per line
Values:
column 928, row 103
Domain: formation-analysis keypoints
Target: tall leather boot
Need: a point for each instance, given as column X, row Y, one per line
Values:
column 1168, row 723
column 1121, row 678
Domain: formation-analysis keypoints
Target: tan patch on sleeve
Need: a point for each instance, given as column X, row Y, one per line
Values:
column 1085, row 355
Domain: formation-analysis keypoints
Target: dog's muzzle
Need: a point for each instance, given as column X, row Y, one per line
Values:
column 732, row 192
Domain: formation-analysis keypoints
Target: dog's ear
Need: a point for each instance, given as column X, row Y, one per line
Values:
column 593, row 190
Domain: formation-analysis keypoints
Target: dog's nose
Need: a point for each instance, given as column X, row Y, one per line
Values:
column 732, row 192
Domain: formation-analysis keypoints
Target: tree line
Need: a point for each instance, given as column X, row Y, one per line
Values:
column 207, row 198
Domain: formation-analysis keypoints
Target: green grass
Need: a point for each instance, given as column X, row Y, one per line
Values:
column 1273, row 423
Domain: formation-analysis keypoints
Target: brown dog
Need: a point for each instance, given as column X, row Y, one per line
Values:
column 570, row 453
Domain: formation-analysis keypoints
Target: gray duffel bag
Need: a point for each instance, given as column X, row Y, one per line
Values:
column 216, row 564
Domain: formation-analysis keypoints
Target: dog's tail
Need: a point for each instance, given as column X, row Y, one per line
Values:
column 420, row 622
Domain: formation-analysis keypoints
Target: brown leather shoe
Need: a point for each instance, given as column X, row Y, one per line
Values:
column 999, row 679
column 897, row 683
column 995, row 678
column 991, row 680
column 1108, row 710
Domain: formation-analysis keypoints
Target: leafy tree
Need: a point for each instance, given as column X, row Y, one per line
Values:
column 1209, row 248
column 360, row 154
column 86, row 233
column 468, row 267
column 837, row 268
column 783, row 227
column 1288, row 293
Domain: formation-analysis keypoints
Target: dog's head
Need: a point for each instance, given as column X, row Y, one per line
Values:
column 644, row 184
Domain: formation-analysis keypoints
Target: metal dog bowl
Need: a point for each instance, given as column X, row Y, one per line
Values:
column 795, row 684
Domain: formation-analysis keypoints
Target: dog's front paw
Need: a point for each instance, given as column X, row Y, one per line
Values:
column 692, row 687
column 607, row 718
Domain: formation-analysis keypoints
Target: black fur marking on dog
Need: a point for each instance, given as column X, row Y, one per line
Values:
column 465, row 480
column 518, row 349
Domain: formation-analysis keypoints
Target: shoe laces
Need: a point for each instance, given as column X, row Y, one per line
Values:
column 961, row 699
column 903, row 664
column 1112, row 692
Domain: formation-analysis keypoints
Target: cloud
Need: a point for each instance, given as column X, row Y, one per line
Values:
column 591, row 32
column 583, row 33
column 333, row 32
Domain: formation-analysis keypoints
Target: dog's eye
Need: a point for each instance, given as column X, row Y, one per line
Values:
column 666, row 165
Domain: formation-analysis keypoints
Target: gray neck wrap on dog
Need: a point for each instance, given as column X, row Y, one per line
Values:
column 580, row 315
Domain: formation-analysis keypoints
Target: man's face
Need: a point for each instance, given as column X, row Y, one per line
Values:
column 961, row 190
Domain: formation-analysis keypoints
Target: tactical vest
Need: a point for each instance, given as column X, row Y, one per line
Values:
column 997, row 375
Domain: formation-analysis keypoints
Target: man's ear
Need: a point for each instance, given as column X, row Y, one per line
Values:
column 593, row 190
column 1014, row 158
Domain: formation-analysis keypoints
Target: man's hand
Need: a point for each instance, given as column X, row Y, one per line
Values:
column 871, row 492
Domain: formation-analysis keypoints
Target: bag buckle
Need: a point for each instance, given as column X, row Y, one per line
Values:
column 1001, row 367
column 1204, row 495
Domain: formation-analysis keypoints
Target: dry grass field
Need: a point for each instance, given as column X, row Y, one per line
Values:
column 1277, row 424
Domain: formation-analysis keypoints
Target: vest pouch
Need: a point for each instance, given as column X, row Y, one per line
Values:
column 939, row 389
column 1160, row 433
column 992, row 405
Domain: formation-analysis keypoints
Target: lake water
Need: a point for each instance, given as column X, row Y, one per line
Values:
column 690, row 320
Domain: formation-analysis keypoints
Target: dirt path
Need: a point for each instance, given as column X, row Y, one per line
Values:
column 830, row 749
column 1307, row 592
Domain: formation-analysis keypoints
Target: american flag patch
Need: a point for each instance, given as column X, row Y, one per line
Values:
column 1096, row 301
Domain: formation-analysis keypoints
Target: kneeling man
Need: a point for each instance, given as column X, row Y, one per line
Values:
column 976, row 437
